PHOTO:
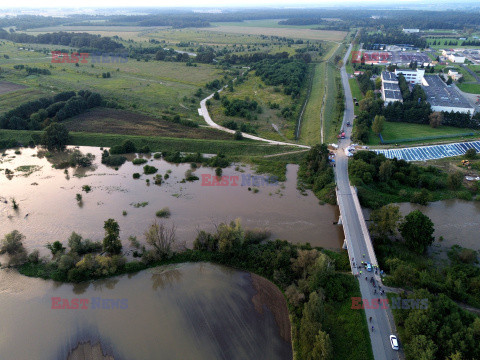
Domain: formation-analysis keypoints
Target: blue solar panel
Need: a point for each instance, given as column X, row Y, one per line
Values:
column 429, row 152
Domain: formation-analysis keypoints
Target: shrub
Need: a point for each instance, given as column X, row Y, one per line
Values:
column 136, row 176
column 471, row 154
column 157, row 155
column 114, row 160
column 148, row 170
column 145, row 149
column 163, row 213
column 158, row 179
column 139, row 161
column 87, row 188
column 189, row 176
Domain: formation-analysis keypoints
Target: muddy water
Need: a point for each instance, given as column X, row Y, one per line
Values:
column 48, row 210
column 458, row 221
column 190, row 311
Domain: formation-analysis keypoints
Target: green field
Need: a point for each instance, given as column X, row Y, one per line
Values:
column 310, row 132
column 401, row 131
column 469, row 88
column 331, row 129
column 154, row 87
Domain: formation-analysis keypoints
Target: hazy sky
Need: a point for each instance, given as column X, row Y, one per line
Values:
column 192, row 3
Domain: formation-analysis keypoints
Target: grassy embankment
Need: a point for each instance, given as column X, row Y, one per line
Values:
column 320, row 112
column 228, row 147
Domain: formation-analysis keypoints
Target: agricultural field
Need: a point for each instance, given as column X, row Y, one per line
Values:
column 296, row 33
column 114, row 121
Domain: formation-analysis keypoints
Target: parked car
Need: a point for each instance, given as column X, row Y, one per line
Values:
column 394, row 342
column 369, row 266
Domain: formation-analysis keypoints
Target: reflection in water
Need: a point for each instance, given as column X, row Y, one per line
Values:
column 167, row 277
column 192, row 311
column 53, row 212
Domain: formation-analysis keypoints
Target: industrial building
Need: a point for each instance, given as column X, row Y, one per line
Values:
column 412, row 76
column 390, row 89
column 443, row 97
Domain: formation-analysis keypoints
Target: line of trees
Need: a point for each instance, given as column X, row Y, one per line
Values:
column 37, row 114
column 75, row 40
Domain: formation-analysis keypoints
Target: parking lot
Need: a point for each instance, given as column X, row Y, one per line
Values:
column 431, row 152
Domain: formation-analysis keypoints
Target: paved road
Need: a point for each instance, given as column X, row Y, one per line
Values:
column 355, row 228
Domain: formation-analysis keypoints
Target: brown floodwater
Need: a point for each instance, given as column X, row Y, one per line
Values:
column 48, row 210
column 458, row 221
column 188, row 311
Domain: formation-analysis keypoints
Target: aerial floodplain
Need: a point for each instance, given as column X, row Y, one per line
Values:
column 239, row 181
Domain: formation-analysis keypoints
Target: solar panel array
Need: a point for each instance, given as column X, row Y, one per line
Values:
column 431, row 152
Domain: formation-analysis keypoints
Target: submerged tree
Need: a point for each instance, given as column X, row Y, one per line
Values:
column 111, row 243
column 12, row 246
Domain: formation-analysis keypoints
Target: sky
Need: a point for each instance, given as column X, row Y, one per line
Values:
column 200, row 3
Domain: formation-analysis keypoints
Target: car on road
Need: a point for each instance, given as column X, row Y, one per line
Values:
column 394, row 342
column 369, row 266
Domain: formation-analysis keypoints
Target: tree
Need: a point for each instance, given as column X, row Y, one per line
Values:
column 56, row 248
column 378, row 83
column 378, row 123
column 421, row 348
column 111, row 243
column 55, row 137
column 385, row 171
column 161, row 239
column 312, row 317
column 12, row 246
column 435, row 119
column 454, row 180
column 417, row 231
column 385, row 221
column 322, row 347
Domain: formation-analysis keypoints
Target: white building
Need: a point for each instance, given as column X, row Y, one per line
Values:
column 412, row 76
column 456, row 58
column 454, row 75
column 411, row 31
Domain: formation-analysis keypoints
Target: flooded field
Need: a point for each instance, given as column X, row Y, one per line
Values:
column 189, row 311
column 48, row 210
column 458, row 221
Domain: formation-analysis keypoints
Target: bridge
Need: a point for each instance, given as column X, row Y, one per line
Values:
column 357, row 238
